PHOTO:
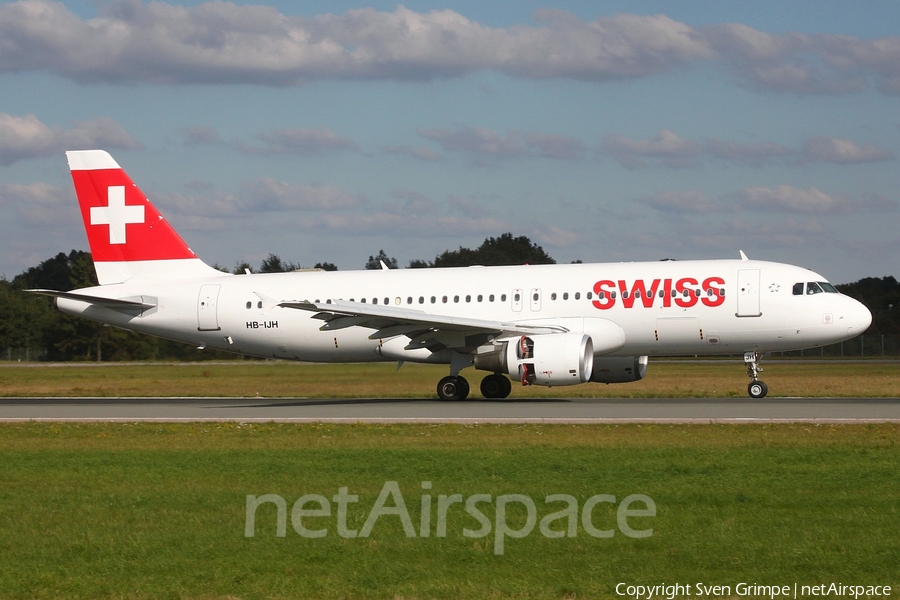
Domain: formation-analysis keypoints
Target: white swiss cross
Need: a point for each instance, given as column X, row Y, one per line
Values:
column 116, row 214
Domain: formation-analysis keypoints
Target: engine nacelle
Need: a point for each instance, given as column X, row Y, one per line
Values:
column 548, row 359
column 619, row 369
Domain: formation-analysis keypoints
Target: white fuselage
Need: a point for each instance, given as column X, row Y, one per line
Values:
column 664, row 308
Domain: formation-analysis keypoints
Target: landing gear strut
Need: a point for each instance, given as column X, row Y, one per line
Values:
column 756, row 389
column 453, row 387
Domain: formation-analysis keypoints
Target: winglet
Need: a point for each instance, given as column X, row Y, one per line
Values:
column 743, row 256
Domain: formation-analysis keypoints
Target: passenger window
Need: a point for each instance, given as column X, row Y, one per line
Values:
column 578, row 295
column 409, row 300
column 517, row 297
column 565, row 295
column 491, row 298
column 468, row 298
column 590, row 295
column 433, row 299
column 444, row 299
column 421, row 299
column 480, row 297
column 374, row 300
column 249, row 304
column 456, row 298
column 259, row 304
column 553, row 296
column 502, row 297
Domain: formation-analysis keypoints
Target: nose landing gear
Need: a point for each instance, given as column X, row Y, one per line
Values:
column 757, row 388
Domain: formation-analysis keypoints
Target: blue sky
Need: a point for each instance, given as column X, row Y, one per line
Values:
column 325, row 131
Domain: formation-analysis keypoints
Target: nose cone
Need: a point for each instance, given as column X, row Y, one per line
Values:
column 856, row 317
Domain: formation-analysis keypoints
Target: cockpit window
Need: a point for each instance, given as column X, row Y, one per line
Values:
column 814, row 287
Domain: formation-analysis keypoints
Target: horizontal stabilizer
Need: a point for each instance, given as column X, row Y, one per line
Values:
column 142, row 303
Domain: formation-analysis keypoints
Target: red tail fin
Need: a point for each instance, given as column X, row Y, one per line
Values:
column 127, row 235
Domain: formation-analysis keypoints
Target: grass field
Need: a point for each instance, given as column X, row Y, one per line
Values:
column 159, row 511
column 716, row 380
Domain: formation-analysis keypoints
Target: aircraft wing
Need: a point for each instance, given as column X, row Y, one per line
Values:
column 425, row 330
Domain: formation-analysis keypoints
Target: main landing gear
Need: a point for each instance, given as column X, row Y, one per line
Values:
column 756, row 389
column 456, row 388
column 453, row 387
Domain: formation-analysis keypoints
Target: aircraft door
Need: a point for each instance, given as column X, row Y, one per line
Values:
column 748, row 293
column 207, row 317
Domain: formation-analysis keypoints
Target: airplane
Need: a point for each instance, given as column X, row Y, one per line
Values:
column 548, row 325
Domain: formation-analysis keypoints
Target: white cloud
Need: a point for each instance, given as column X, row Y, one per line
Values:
column 786, row 198
column 220, row 42
column 689, row 202
column 667, row 149
column 200, row 134
column 26, row 137
column 489, row 145
column 419, row 152
column 476, row 140
column 764, row 200
column 271, row 195
column 38, row 204
column 841, row 151
column 300, row 141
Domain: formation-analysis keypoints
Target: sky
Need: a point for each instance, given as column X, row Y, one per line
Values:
column 327, row 131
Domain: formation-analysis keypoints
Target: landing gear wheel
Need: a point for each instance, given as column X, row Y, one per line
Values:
column 495, row 386
column 452, row 388
column 463, row 386
column 757, row 389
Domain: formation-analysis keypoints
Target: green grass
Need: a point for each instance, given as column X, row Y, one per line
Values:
column 158, row 511
column 283, row 379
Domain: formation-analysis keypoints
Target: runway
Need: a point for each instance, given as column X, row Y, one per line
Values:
column 367, row 410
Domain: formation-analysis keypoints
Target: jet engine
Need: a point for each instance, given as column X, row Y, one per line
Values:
column 619, row 369
column 547, row 359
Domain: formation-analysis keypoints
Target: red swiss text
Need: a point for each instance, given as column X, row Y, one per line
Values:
column 684, row 293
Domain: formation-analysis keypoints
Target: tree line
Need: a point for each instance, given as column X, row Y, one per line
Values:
column 30, row 329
